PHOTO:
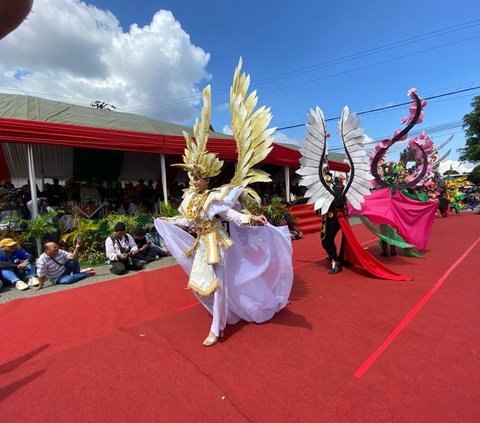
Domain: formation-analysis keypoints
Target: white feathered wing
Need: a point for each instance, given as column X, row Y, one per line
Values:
column 314, row 152
column 353, row 139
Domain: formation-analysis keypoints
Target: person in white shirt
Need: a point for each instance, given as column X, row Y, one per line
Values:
column 127, row 207
column 121, row 249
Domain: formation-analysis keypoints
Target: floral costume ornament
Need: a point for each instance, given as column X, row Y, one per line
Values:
column 454, row 194
column 392, row 205
column 377, row 157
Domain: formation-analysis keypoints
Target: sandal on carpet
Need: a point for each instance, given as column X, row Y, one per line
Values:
column 211, row 339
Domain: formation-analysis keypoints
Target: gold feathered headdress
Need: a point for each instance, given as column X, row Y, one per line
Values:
column 197, row 161
column 250, row 131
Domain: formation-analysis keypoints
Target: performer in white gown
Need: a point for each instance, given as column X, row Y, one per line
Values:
column 242, row 270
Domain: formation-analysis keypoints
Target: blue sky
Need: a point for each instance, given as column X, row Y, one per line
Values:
column 300, row 54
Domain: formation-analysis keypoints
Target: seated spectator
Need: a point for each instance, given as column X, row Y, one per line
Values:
column 148, row 199
column 42, row 207
column 60, row 266
column 127, row 207
column 112, row 195
column 295, row 232
column 89, row 193
column 146, row 251
column 121, row 250
column 56, row 194
column 154, row 238
column 16, row 265
column 72, row 192
column 25, row 192
column 139, row 190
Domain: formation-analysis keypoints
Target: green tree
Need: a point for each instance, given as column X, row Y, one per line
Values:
column 451, row 172
column 408, row 155
column 474, row 175
column 471, row 126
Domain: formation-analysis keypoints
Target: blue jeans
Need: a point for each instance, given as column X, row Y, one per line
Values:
column 13, row 275
column 72, row 273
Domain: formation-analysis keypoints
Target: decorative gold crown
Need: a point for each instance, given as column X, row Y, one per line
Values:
column 197, row 161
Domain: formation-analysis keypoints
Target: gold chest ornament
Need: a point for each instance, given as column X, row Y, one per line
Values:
column 195, row 205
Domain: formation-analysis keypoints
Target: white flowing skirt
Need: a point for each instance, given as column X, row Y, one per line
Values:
column 256, row 272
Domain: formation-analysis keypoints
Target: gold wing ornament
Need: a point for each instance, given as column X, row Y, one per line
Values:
column 315, row 161
column 251, row 133
column 197, row 160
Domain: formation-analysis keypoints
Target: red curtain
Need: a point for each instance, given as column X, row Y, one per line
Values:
column 4, row 172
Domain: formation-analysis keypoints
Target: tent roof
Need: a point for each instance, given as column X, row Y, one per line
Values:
column 37, row 109
column 33, row 120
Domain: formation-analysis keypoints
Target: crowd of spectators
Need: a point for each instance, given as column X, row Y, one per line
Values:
column 121, row 198
column 124, row 252
column 20, row 268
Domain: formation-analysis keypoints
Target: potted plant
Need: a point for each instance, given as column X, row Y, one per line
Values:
column 35, row 229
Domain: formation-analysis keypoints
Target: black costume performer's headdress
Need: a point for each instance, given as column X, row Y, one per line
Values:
column 314, row 161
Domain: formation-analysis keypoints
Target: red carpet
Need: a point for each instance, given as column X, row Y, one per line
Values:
column 120, row 351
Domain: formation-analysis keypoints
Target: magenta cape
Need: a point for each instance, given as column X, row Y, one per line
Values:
column 413, row 219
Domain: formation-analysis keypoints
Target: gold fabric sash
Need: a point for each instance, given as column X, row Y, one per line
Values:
column 214, row 236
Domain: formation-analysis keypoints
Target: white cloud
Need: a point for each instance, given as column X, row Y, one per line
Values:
column 70, row 51
column 460, row 167
column 227, row 129
column 281, row 138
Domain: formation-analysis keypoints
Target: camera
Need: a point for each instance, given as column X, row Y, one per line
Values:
column 10, row 193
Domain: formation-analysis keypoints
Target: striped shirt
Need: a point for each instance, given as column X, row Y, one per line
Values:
column 46, row 266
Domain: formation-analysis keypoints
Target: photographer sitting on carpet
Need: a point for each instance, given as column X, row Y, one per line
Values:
column 121, row 250
column 60, row 266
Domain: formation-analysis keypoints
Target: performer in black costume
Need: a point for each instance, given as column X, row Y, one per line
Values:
column 330, row 200
column 331, row 226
